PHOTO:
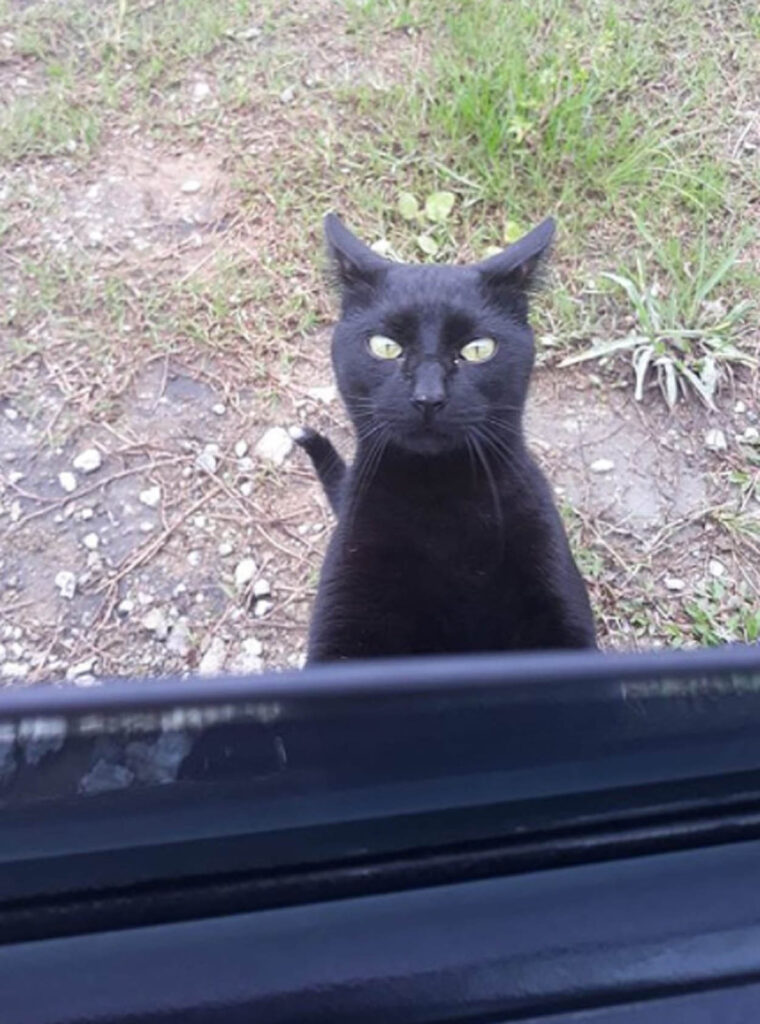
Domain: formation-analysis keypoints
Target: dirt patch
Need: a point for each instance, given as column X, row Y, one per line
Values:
column 156, row 535
column 137, row 199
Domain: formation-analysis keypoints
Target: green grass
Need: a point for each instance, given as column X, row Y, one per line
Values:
column 683, row 337
column 620, row 120
column 721, row 612
column 106, row 63
column 585, row 109
column 607, row 115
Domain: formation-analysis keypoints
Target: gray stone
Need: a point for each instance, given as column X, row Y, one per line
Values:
column 715, row 440
column 274, row 446
column 155, row 622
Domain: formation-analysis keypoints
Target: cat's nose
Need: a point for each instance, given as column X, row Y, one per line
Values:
column 429, row 392
column 428, row 404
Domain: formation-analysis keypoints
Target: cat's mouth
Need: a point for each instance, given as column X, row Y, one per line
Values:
column 426, row 438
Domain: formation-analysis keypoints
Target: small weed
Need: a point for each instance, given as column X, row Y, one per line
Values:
column 720, row 614
column 683, row 338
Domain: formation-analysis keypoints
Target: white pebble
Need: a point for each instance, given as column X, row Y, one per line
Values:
column 248, row 658
column 740, row 407
column 674, row 583
column 261, row 588
column 219, row 409
column 199, row 521
column 85, row 514
column 11, row 414
column 200, row 91
column 262, row 607
column 206, row 460
column 751, row 435
column 241, row 448
column 212, row 661
column 602, row 466
column 67, row 481
column 245, row 570
column 151, row 496
column 324, row 395
column 88, row 461
column 146, row 527
column 716, row 568
column 179, row 641
column 275, row 446
column 194, row 559
column 125, row 607
column 86, row 680
column 190, row 186
column 14, row 669
column 715, row 440
column 66, row 582
column 288, row 94
column 246, row 488
column 81, row 668
column 155, row 622
column 16, row 475
column 91, row 541
column 245, row 464
column 225, row 548
column 15, row 511
column 144, row 598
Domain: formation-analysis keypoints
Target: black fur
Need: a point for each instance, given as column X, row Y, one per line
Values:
column 448, row 538
column 330, row 467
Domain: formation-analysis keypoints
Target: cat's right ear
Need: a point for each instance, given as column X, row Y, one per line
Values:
column 356, row 269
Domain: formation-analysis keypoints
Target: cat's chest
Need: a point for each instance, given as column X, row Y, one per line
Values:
column 438, row 545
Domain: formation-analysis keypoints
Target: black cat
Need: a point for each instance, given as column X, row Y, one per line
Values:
column 448, row 539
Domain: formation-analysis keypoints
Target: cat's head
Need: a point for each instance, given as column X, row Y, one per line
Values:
column 428, row 357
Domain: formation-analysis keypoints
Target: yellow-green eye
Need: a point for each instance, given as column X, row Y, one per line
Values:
column 478, row 351
column 384, row 348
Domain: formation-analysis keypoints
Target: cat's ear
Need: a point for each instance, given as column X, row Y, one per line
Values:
column 356, row 268
column 517, row 268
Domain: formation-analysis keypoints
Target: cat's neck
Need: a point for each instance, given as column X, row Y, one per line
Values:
column 464, row 473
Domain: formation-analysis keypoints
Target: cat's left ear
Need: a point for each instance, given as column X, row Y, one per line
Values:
column 356, row 267
column 517, row 268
